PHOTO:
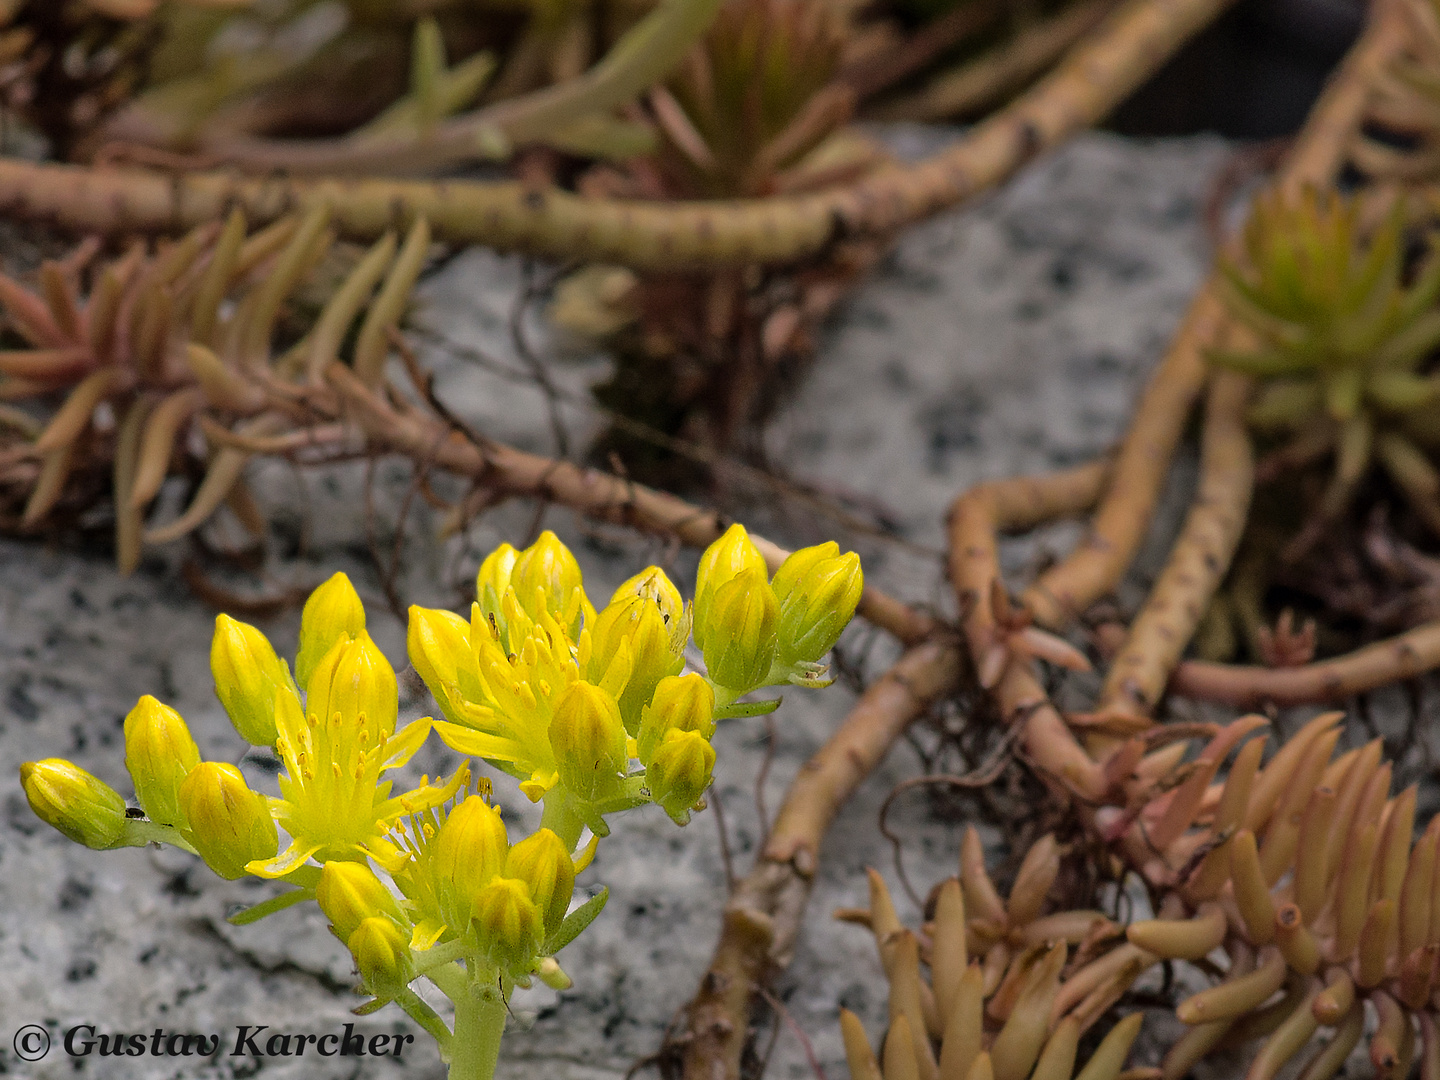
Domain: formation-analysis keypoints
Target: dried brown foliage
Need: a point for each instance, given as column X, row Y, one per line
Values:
column 167, row 364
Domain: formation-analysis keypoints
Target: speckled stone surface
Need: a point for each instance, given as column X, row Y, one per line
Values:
column 1008, row 337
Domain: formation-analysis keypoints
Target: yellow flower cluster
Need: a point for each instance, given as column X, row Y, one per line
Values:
column 463, row 886
column 566, row 698
column 335, row 746
column 539, row 684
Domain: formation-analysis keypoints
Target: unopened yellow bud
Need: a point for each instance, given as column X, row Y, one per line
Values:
column 349, row 893
column 681, row 703
column 680, row 772
column 248, row 677
column 508, row 924
column 354, row 679
column 230, row 825
column 800, row 563
column 333, row 610
column 439, row 646
column 739, row 631
column 721, row 562
column 494, row 576
column 588, row 739
column 159, row 753
column 818, row 589
column 83, row 807
column 547, row 567
column 470, row 850
column 543, row 864
column 382, row 956
column 652, row 584
column 653, row 651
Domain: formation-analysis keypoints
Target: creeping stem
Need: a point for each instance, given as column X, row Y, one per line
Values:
column 1096, row 75
column 1197, row 562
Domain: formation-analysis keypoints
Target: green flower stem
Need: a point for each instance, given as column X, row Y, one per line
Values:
column 440, row 955
column 427, row 1018
column 452, row 980
column 138, row 832
column 479, row 1023
column 561, row 820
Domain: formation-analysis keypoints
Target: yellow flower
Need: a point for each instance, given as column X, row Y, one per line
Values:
column 546, row 575
column 248, row 678
column 739, row 641
column 334, row 609
column 84, row 808
column 382, row 957
column 440, row 861
column 355, row 679
column 229, row 824
column 818, row 589
column 680, row 772
column 506, row 718
column 653, row 584
column 733, row 554
column 470, row 850
column 159, row 753
column 332, row 801
column 439, row 646
column 462, row 880
column 494, row 576
column 589, row 742
column 681, row 703
column 636, row 623
column 508, row 925
column 543, row 864
column 349, row 893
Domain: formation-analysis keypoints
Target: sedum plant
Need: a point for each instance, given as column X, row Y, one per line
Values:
column 1342, row 330
column 1299, row 889
column 589, row 709
column 1012, row 988
column 177, row 346
column 752, row 101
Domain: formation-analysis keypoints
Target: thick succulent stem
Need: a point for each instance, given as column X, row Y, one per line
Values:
column 1124, row 515
column 1098, row 74
column 1401, row 657
column 1198, row 561
column 976, row 518
column 1012, row 505
column 980, row 81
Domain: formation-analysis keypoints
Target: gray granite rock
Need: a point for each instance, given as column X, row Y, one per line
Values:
column 1008, row 337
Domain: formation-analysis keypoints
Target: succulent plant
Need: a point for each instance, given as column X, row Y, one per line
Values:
column 752, row 101
column 169, row 365
column 1300, row 885
column 1342, row 330
column 1012, row 988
